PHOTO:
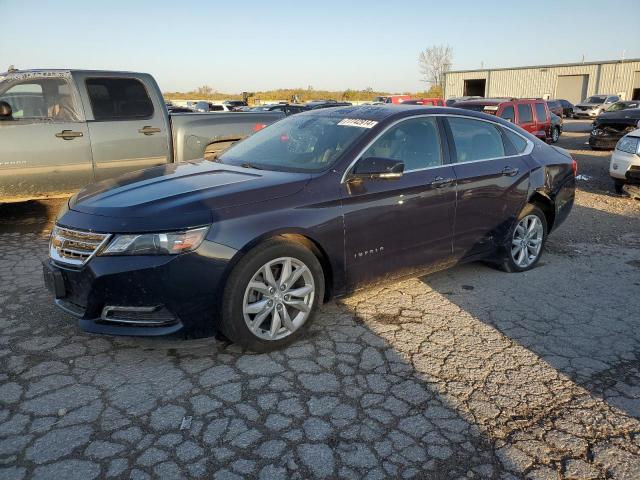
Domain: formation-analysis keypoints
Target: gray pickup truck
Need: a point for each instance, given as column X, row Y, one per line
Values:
column 63, row 129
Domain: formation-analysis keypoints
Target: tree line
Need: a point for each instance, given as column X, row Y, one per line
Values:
column 206, row 92
column 433, row 63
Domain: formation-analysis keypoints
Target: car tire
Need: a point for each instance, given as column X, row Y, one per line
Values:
column 618, row 186
column 532, row 242
column 257, row 311
column 555, row 134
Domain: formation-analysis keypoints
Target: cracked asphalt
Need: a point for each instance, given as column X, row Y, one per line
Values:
column 466, row 373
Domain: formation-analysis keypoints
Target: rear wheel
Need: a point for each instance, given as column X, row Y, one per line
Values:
column 527, row 239
column 272, row 295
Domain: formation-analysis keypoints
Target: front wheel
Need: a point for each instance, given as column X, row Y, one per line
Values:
column 271, row 295
column 555, row 134
column 527, row 239
column 618, row 185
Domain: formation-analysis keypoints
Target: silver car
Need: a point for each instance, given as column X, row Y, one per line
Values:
column 594, row 105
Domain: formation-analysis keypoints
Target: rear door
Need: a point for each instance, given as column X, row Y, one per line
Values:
column 492, row 182
column 127, row 123
column 525, row 117
column 44, row 146
column 402, row 225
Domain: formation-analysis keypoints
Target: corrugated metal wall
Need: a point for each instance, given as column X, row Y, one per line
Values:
column 614, row 77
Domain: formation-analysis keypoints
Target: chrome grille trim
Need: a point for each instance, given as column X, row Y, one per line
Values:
column 75, row 247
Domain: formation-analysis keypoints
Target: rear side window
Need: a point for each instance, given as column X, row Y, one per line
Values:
column 525, row 113
column 475, row 139
column 508, row 113
column 519, row 143
column 541, row 112
column 118, row 99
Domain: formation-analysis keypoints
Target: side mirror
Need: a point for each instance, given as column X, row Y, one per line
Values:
column 5, row 111
column 378, row 167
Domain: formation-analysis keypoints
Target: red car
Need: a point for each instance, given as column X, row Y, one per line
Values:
column 392, row 99
column 435, row 102
column 532, row 114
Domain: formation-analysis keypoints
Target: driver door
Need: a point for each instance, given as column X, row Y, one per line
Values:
column 403, row 225
column 44, row 146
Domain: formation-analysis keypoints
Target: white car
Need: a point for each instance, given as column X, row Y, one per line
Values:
column 625, row 161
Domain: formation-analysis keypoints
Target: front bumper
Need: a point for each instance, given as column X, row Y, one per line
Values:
column 585, row 113
column 145, row 295
column 625, row 166
column 604, row 142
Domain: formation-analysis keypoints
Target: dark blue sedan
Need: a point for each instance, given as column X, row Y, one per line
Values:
column 315, row 205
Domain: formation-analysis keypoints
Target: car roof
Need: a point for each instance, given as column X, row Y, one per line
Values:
column 390, row 112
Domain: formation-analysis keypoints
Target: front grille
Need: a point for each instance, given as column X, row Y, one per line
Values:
column 74, row 247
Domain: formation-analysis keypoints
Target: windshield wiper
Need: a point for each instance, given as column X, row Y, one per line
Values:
column 249, row 165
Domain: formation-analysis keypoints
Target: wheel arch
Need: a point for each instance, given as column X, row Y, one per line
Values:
column 546, row 204
column 298, row 236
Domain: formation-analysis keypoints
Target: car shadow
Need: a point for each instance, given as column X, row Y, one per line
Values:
column 577, row 311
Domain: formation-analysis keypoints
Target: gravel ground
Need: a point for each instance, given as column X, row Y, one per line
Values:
column 467, row 373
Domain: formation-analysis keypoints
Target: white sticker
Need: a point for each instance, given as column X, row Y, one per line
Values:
column 357, row 122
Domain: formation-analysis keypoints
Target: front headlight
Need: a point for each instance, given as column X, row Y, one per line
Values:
column 170, row 243
column 629, row 144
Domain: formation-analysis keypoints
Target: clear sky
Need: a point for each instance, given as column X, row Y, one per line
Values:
column 252, row 45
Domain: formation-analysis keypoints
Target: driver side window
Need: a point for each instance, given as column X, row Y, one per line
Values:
column 41, row 99
column 416, row 142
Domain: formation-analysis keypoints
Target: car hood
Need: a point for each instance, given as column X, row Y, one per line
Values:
column 627, row 117
column 182, row 195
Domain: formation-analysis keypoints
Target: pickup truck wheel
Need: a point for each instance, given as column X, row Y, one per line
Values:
column 527, row 239
column 272, row 295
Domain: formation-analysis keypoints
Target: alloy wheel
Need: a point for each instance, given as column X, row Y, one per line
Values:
column 527, row 241
column 279, row 298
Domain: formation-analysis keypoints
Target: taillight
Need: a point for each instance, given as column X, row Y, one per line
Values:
column 259, row 126
column 575, row 167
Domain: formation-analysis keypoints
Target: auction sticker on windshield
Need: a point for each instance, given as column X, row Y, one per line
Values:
column 357, row 122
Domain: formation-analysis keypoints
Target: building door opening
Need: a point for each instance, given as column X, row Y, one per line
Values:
column 635, row 95
column 475, row 87
column 572, row 87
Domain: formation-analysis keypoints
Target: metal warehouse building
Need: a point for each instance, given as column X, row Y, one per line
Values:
column 571, row 81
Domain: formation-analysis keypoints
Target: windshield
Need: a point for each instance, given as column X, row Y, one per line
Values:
column 622, row 106
column 595, row 99
column 302, row 143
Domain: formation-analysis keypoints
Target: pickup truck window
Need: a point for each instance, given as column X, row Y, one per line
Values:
column 118, row 99
column 41, row 98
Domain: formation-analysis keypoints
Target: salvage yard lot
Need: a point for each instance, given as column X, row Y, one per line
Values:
column 468, row 373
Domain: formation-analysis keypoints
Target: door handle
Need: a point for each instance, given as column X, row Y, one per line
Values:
column 69, row 134
column 509, row 171
column 440, row 182
column 149, row 130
